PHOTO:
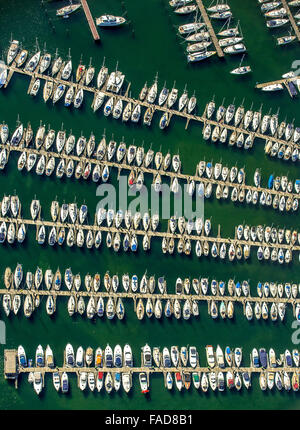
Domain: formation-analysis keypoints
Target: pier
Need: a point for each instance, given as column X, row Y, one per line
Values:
column 158, row 234
column 147, row 170
column 148, row 370
column 210, row 28
column 278, row 81
column 155, row 369
column 291, row 18
column 90, row 20
column 172, row 112
column 155, row 296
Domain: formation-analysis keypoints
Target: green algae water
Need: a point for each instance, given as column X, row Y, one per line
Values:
column 148, row 45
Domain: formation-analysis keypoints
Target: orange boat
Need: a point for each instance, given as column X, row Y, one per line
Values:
column 187, row 379
column 98, row 358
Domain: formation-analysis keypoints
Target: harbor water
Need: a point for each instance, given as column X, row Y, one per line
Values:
column 148, row 45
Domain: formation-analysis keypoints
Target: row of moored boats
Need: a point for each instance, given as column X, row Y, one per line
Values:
column 198, row 37
column 223, row 368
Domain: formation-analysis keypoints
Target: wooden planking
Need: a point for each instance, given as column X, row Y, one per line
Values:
column 174, row 112
column 154, row 296
column 210, row 28
column 278, row 81
column 90, row 20
column 149, row 170
column 292, row 19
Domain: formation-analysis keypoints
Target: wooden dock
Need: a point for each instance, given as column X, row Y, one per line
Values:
column 90, row 20
column 210, row 28
column 160, row 369
column 283, row 81
column 149, row 370
column 291, row 18
column 130, row 295
column 202, row 238
column 154, row 172
column 148, row 170
column 173, row 112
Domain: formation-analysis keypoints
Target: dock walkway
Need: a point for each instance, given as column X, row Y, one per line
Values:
column 210, row 28
column 158, row 234
column 183, row 114
column 137, row 295
column 278, row 81
column 90, row 20
column 148, row 170
column 291, row 18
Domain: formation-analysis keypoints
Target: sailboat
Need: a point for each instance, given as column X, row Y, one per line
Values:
column 229, row 32
column 241, row 70
column 66, row 10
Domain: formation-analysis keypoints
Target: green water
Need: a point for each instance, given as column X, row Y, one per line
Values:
column 147, row 46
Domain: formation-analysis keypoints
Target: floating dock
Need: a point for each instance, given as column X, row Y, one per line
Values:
column 148, row 170
column 150, row 233
column 181, row 114
column 278, row 81
column 90, row 20
column 155, row 296
column 210, row 28
column 291, row 18
column 172, row 112
column 148, row 370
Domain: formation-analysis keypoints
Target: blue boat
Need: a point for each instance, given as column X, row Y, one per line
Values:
column 246, row 378
column 118, row 362
column 108, row 360
column 270, row 182
column 263, row 358
column 259, row 287
column 65, row 383
column 288, row 358
column 255, row 358
column 238, row 287
column 125, row 244
column 280, row 153
column 166, row 358
column 168, row 309
column 292, row 89
column 100, row 308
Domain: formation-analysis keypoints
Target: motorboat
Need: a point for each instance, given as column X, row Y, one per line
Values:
column 22, row 359
column 37, row 382
column 110, row 21
column 210, row 356
column 273, row 87
column 64, row 383
column 143, row 382
column 235, row 49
